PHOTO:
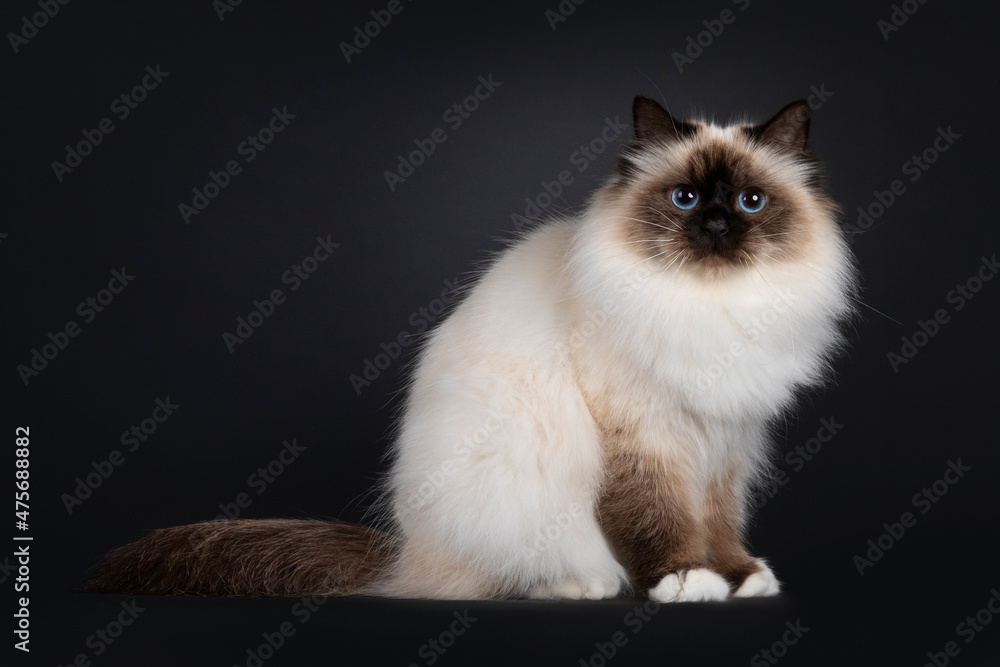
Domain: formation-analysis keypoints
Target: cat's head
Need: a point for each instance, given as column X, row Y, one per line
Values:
column 714, row 200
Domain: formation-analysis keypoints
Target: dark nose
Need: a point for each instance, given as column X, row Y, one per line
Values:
column 715, row 228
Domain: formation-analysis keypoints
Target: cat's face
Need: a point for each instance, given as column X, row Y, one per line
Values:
column 716, row 200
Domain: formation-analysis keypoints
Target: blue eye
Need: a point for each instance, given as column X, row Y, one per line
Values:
column 752, row 200
column 684, row 197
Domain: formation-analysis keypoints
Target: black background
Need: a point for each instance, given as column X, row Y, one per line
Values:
column 324, row 176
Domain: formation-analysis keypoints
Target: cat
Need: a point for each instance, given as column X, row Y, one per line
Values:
column 593, row 416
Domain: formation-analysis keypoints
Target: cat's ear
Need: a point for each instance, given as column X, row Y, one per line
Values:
column 653, row 126
column 788, row 129
column 654, row 123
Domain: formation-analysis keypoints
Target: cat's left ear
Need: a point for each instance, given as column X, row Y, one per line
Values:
column 788, row 129
column 654, row 123
column 653, row 126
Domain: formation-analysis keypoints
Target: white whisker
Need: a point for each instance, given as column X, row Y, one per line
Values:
column 646, row 222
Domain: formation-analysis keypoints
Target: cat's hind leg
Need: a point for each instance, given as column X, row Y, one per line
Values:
column 578, row 565
column 578, row 588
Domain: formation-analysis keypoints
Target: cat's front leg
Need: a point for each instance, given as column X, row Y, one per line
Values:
column 759, row 583
column 747, row 576
column 690, row 585
column 645, row 510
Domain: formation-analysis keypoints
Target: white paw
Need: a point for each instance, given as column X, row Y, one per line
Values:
column 759, row 584
column 695, row 585
column 579, row 589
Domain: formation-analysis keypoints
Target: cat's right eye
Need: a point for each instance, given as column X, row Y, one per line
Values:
column 684, row 197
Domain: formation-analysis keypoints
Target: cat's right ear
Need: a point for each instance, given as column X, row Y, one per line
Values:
column 653, row 123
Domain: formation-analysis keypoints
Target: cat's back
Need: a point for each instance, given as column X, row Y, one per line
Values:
column 516, row 311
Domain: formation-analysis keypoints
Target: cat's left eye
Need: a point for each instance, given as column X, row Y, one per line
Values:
column 752, row 200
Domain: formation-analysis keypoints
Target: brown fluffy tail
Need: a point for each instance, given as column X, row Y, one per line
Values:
column 248, row 557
